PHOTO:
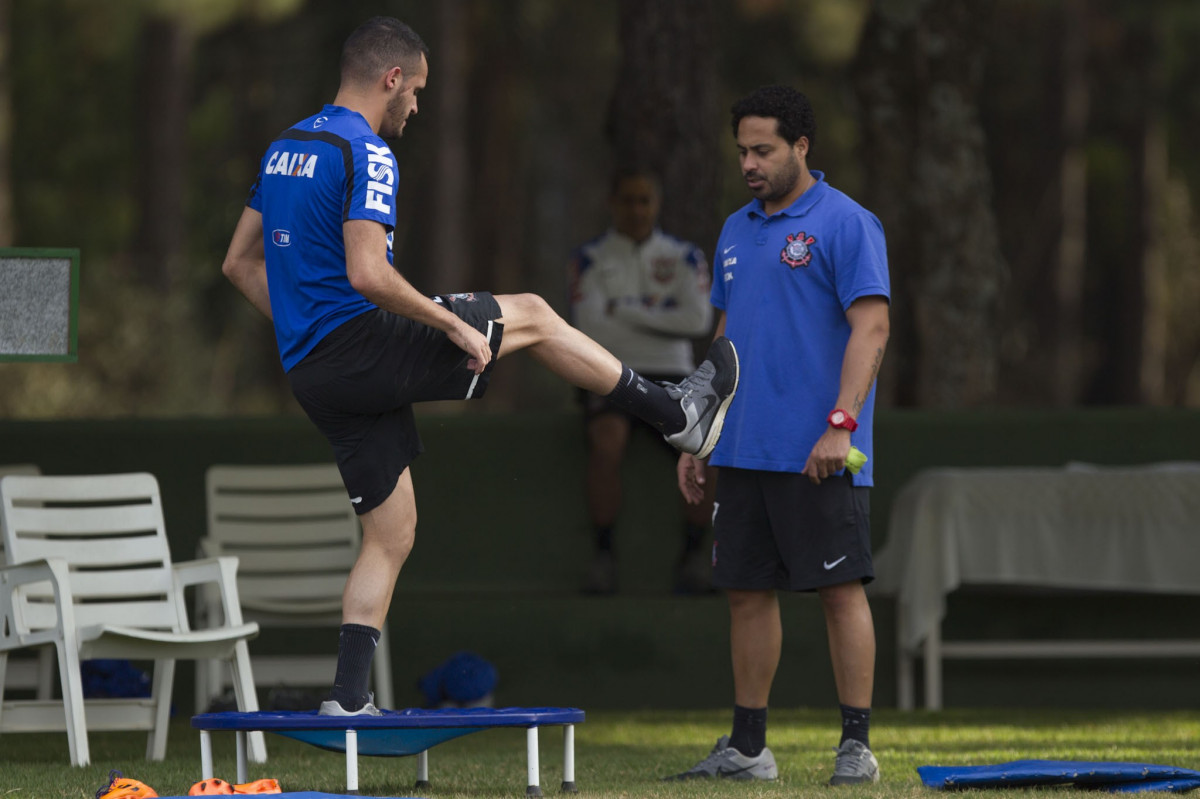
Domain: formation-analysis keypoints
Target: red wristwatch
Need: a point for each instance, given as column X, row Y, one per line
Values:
column 842, row 420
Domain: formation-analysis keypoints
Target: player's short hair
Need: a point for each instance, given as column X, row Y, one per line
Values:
column 376, row 46
column 626, row 172
column 790, row 109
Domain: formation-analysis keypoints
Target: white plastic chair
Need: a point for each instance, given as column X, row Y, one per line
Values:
column 36, row 673
column 296, row 537
column 89, row 572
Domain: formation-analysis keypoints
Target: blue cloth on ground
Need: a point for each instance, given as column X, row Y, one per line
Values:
column 106, row 678
column 1115, row 777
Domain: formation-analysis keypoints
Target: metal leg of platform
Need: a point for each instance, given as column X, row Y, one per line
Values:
column 351, row 761
column 533, row 779
column 242, row 771
column 422, row 769
column 206, row 761
column 568, row 783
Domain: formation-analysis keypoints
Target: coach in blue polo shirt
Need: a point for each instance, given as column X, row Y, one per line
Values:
column 800, row 278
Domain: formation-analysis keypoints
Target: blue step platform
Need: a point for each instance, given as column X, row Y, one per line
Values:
column 396, row 733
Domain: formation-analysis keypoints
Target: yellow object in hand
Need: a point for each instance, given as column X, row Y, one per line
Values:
column 855, row 460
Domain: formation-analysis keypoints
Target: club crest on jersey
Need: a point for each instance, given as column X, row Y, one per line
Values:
column 797, row 253
column 663, row 269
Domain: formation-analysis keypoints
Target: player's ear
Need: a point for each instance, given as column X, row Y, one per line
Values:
column 801, row 146
column 393, row 78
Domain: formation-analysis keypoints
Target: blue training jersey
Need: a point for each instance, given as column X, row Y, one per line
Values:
column 314, row 177
column 785, row 282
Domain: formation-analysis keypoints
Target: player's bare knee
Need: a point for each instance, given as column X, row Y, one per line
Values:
column 843, row 598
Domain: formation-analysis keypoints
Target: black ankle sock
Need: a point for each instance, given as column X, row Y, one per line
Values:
column 648, row 401
column 856, row 724
column 356, row 647
column 604, row 538
column 749, row 730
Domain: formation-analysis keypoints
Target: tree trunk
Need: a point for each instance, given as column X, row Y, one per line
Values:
column 451, row 231
column 1066, row 336
column 663, row 114
column 166, row 47
column 918, row 77
column 1151, row 170
column 8, row 225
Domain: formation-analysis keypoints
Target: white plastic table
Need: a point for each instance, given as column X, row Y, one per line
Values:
column 1131, row 529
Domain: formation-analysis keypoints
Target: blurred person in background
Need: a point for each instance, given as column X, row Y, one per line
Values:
column 643, row 295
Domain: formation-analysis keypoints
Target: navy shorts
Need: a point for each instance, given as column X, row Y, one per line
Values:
column 359, row 383
column 777, row 530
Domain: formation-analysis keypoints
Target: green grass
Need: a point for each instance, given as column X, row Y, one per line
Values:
column 621, row 755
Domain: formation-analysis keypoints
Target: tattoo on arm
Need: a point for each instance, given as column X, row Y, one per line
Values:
column 860, row 399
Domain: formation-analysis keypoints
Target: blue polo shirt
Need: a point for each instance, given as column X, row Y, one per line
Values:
column 784, row 282
column 315, row 176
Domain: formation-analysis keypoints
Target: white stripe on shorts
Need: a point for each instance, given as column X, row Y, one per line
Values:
column 475, row 380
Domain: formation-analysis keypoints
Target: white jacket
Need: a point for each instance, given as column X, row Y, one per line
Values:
column 644, row 303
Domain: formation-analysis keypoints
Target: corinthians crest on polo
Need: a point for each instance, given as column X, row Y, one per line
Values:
column 796, row 252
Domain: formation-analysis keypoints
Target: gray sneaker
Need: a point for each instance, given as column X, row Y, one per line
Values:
column 705, row 395
column 331, row 707
column 855, row 764
column 728, row 763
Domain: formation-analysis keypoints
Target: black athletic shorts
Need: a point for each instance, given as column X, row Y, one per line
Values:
column 776, row 530
column 358, row 385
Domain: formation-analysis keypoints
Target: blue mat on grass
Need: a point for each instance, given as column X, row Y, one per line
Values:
column 396, row 733
column 1113, row 777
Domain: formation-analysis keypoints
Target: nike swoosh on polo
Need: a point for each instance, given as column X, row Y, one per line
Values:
column 728, row 250
column 829, row 565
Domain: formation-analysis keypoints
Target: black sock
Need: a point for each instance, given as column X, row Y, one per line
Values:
column 749, row 730
column 604, row 538
column 693, row 536
column 648, row 401
column 856, row 724
column 356, row 647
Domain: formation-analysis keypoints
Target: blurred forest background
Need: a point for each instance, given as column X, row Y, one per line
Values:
column 1029, row 159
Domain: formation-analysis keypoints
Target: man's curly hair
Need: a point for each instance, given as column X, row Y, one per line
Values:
column 788, row 107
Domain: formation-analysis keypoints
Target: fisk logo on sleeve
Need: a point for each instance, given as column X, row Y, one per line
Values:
column 300, row 165
column 381, row 170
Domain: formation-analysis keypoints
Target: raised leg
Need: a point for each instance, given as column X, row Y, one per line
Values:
column 568, row 784
column 533, row 780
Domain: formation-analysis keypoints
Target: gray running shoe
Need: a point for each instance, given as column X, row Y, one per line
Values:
column 855, row 764
column 728, row 763
column 331, row 707
column 705, row 395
